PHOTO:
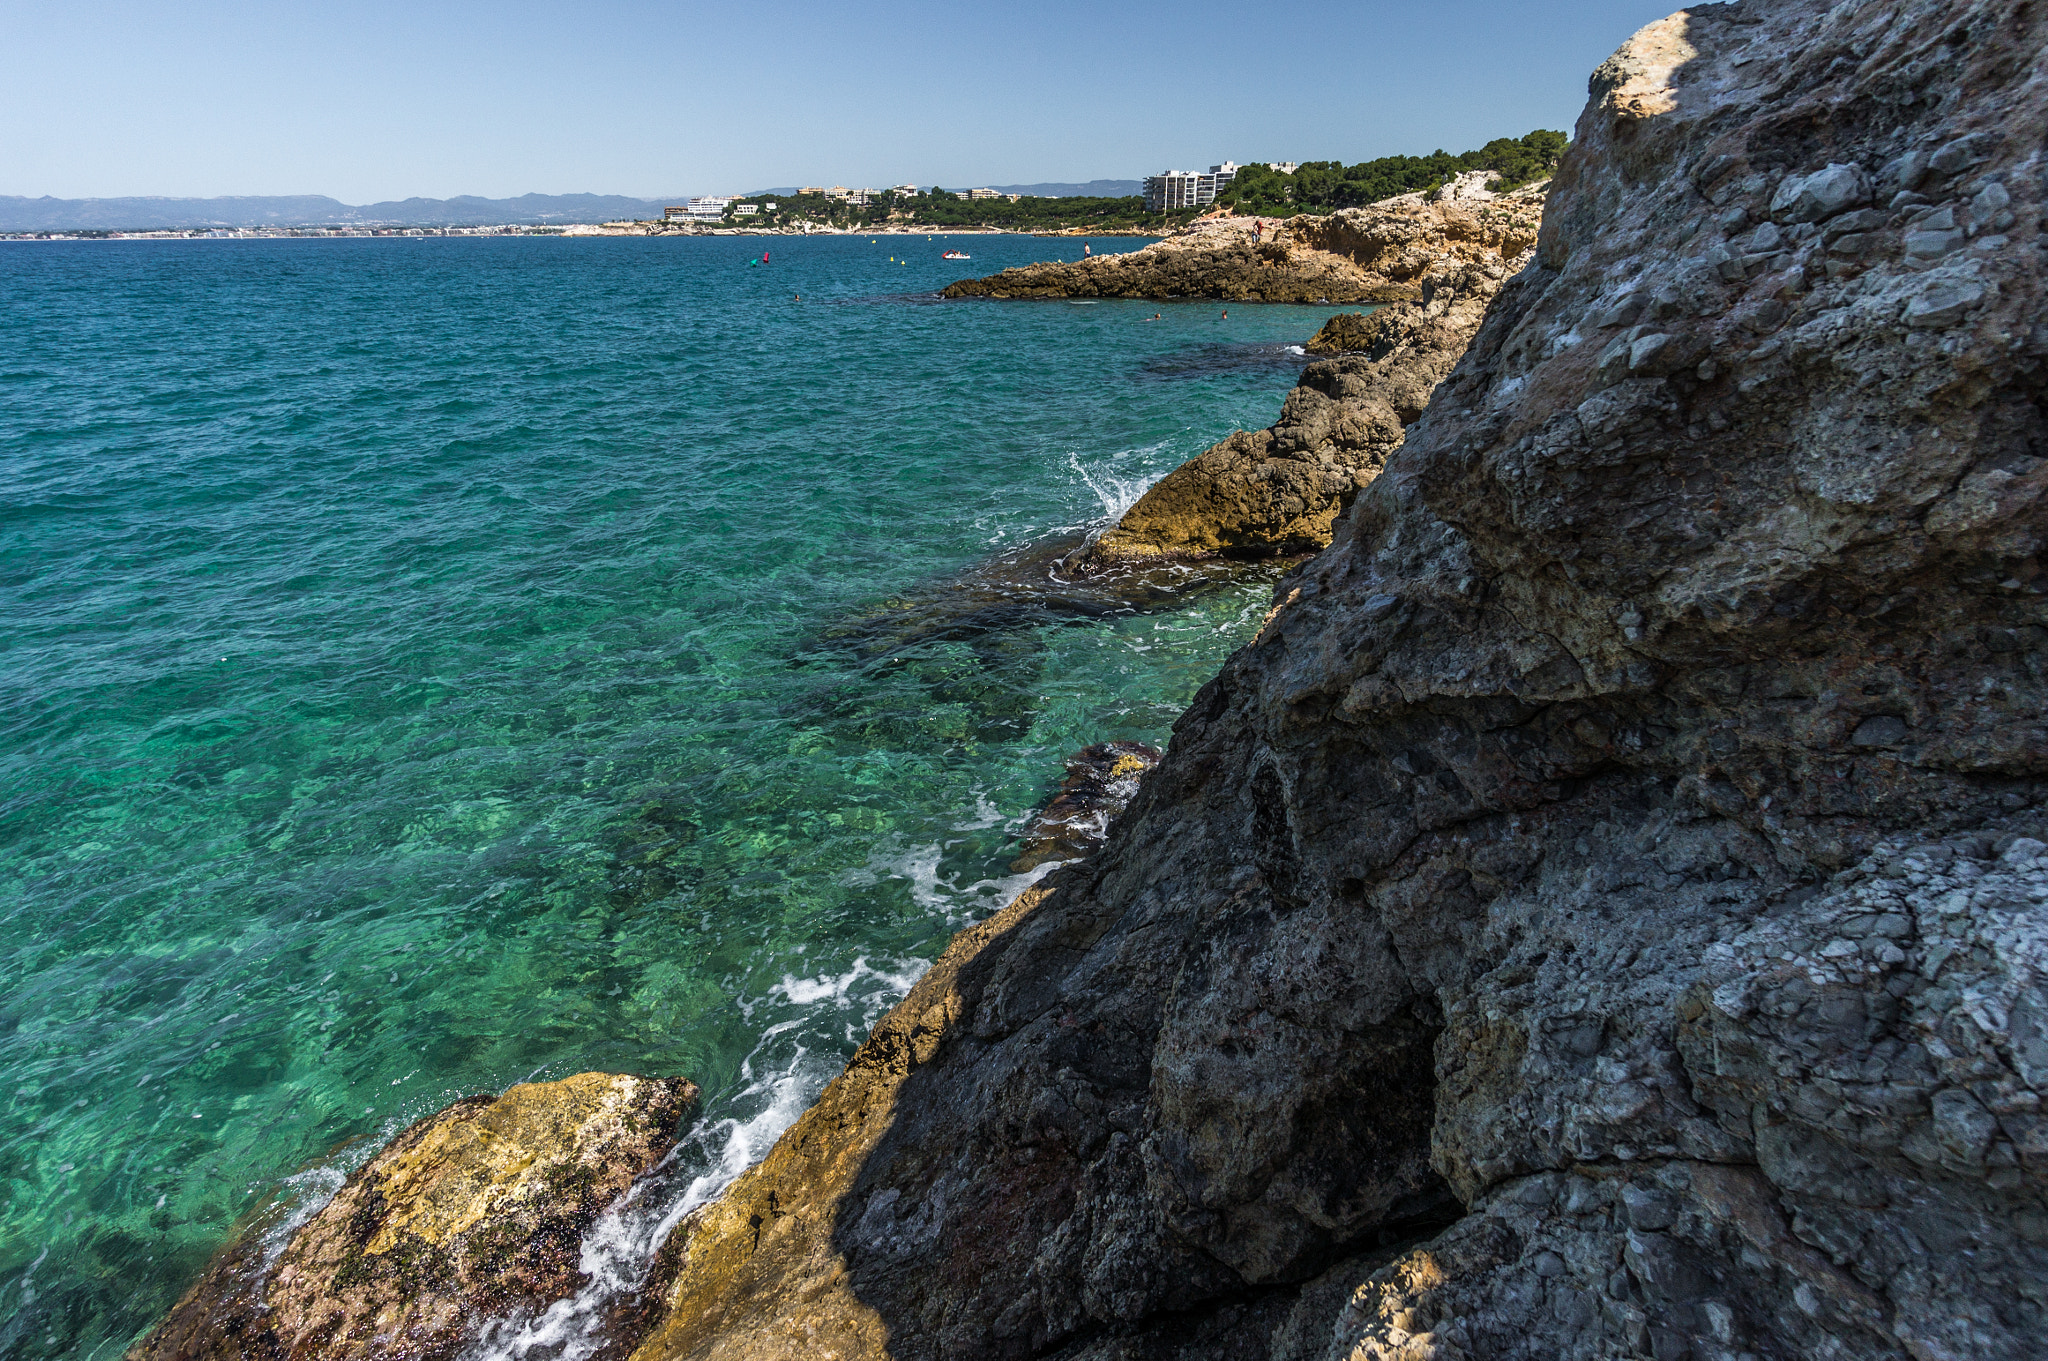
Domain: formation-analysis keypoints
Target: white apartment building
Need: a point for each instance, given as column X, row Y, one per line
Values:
column 1173, row 189
column 710, row 207
column 982, row 194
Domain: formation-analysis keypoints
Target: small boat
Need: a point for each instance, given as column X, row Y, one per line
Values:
column 956, row 255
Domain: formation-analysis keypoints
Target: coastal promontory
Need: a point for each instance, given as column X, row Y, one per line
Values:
column 1279, row 491
column 1385, row 252
column 1603, row 912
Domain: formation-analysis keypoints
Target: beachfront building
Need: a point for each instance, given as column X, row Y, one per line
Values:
column 709, row 207
column 674, row 211
column 746, row 210
column 1173, row 189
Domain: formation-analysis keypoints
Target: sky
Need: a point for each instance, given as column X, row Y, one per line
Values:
column 366, row 100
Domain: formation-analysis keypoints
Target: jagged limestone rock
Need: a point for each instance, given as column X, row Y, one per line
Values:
column 467, row 1215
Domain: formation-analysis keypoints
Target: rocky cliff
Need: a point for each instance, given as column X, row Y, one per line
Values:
column 1602, row 913
column 1386, row 252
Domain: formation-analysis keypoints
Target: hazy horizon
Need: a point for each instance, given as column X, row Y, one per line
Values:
column 635, row 98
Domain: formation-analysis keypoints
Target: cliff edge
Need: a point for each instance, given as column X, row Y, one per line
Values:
column 1602, row 913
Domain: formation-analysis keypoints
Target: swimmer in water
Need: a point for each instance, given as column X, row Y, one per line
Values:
column 1226, row 314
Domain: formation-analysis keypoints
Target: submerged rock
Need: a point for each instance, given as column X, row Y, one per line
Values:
column 474, row 1213
column 1602, row 912
column 1027, row 587
column 1101, row 781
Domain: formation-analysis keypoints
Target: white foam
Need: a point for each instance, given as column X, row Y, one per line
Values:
column 790, row 1064
column 839, row 989
column 619, row 1248
column 1117, row 494
column 309, row 1192
column 986, row 815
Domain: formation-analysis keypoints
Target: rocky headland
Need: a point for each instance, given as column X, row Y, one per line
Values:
column 1604, row 911
column 1278, row 491
column 1597, row 916
column 1385, row 252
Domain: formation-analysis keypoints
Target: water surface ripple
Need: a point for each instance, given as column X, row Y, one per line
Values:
column 411, row 684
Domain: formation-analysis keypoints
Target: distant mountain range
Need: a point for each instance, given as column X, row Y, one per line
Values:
column 18, row 214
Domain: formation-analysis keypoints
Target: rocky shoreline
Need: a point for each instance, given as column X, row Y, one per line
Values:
column 1278, row 492
column 1604, row 912
column 1375, row 254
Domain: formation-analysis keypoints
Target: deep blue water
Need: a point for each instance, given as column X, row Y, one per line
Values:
column 418, row 674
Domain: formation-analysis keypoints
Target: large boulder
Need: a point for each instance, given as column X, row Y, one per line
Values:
column 469, row 1215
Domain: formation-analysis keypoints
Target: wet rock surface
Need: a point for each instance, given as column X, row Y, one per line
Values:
column 1101, row 781
column 1597, row 915
column 1384, row 252
column 474, row 1213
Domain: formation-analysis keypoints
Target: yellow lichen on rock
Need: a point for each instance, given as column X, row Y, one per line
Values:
column 462, row 1169
column 466, row 1216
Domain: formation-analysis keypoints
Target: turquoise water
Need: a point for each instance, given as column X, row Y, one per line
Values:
column 417, row 675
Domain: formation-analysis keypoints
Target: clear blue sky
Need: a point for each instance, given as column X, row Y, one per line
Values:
column 377, row 99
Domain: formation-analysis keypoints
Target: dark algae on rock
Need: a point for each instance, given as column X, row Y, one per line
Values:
column 1599, row 915
column 468, row 1216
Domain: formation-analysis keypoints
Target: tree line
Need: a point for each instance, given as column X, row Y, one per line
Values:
column 1325, row 186
column 1313, row 187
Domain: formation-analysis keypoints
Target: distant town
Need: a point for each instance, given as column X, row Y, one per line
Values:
column 1164, row 201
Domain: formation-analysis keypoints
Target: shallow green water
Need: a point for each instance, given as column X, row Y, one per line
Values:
column 415, row 677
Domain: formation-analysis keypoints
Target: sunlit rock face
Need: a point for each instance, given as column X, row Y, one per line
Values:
column 475, row 1213
column 1390, row 251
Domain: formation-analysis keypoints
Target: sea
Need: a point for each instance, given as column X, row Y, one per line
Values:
column 428, row 665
